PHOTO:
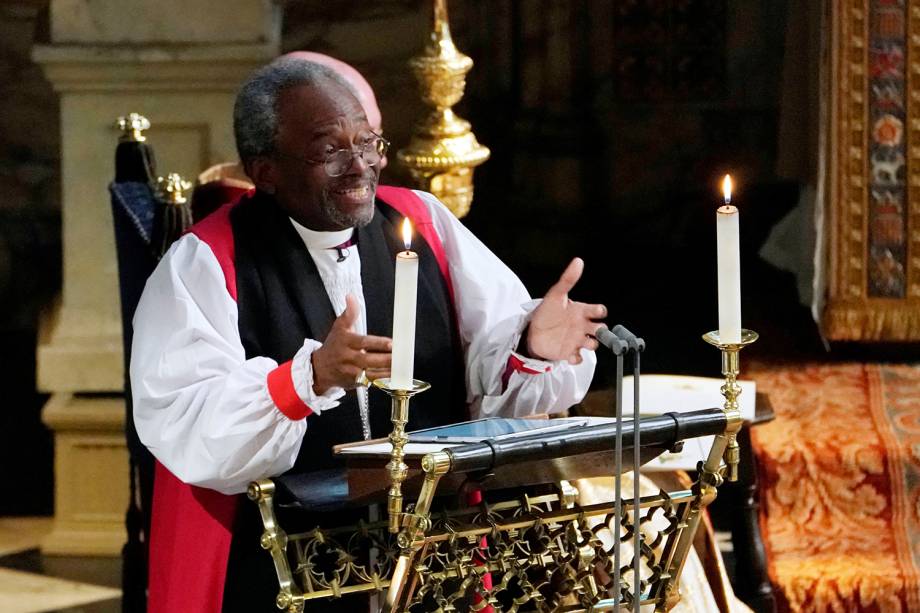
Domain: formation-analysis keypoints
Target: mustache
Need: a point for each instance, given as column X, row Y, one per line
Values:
column 369, row 179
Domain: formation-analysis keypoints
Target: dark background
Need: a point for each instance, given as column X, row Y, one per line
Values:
column 610, row 123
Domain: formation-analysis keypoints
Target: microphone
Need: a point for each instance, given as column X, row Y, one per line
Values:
column 637, row 346
column 634, row 342
column 611, row 341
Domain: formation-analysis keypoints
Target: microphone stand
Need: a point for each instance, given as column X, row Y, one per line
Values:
column 619, row 347
column 636, row 345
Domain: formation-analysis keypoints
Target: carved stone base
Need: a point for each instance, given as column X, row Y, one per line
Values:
column 91, row 474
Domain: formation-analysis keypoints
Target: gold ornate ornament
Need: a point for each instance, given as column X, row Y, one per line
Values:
column 443, row 150
column 173, row 188
column 132, row 127
column 176, row 215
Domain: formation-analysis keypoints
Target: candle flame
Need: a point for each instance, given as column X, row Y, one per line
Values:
column 727, row 188
column 407, row 233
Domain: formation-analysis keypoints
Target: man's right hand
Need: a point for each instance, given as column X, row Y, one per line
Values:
column 345, row 354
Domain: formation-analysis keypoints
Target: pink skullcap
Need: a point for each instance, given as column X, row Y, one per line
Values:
column 359, row 84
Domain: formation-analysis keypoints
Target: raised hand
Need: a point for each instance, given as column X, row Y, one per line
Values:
column 560, row 327
column 345, row 354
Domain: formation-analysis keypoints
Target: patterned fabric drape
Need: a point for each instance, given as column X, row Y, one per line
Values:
column 874, row 171
column 840, row 485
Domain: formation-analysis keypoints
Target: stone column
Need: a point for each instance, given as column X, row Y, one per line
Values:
column 179, row 63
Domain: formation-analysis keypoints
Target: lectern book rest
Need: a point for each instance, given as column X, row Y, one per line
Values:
column 492, row 456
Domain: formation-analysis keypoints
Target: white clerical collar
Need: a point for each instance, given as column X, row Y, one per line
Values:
column 314, row 239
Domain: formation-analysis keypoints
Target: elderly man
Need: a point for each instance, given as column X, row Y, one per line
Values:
column 252, row 332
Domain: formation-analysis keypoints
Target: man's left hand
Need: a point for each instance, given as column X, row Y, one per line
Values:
column 560, row 327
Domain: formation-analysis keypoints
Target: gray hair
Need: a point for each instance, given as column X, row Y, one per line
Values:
column 255, row 113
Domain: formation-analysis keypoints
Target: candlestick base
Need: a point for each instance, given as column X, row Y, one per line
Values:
column 397, row 469
column 725, row 445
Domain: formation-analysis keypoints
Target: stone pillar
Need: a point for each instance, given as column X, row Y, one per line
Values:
column 179, row 63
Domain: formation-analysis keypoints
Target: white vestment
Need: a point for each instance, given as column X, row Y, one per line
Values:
column 204, row 410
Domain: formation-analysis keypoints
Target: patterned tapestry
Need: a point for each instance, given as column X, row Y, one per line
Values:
column 874, row 171
column 887, row 149
column 840, row 486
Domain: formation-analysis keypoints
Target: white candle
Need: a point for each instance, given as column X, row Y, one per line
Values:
column 404, row 302
column 729, row 264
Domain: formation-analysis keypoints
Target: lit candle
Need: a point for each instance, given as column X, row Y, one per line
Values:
column 404, row 301
column 729, row 263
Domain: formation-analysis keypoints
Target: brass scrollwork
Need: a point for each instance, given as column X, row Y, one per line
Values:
column 541, row 555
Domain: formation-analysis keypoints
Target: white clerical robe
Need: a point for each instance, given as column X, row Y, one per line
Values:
column 204, row 409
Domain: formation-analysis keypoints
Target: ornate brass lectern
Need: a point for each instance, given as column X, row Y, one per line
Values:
column 528, row 545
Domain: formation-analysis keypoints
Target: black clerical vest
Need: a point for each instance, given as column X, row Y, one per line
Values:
column 281, row 301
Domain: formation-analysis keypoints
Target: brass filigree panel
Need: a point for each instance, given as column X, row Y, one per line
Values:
column 541, row 554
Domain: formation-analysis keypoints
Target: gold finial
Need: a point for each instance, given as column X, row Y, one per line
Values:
column 440, row 32
column 443, row 150
column 173, row 188
column 132, row 127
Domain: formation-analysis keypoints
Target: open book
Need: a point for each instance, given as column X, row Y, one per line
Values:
column 658, row 394
column 443, row 437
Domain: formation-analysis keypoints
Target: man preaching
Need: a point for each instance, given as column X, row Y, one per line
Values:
column 252, row 333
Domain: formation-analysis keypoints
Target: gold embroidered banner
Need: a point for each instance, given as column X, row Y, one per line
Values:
column 874, row 171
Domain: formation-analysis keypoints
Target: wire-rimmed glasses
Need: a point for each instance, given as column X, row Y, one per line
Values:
column 336, row 163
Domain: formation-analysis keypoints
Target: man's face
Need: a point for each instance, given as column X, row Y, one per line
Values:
column 312, row 122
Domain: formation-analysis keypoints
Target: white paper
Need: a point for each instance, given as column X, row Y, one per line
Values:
column 660, row 394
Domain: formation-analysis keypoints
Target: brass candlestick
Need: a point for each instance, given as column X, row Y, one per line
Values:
column 399, row 399
column 726, row 444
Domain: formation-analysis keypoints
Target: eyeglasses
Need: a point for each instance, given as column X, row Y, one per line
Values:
column 336, row 163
